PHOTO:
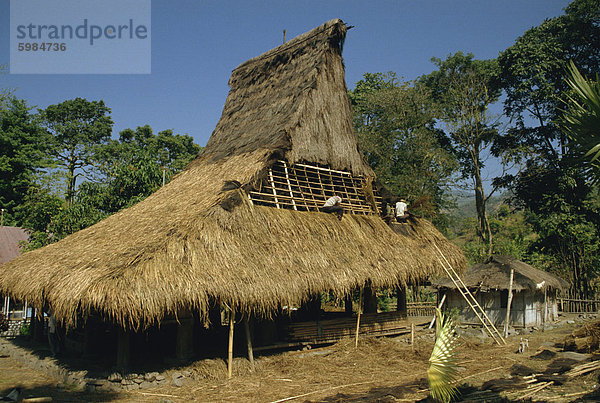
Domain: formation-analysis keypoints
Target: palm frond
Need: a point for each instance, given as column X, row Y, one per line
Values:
column 581, row 118
column 443, row 368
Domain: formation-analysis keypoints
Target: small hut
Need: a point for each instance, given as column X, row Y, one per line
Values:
column 240, row 229
column 12, row 313
column 534, row 301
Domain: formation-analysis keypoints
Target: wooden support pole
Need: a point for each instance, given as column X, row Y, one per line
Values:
column 401, row 301
column 123, row 350
column 412, row 336
column 358, row 318
column 509, row 302
column 348, row 304
column 184, row 342
column 249, row 342
column 546, row 307
column 230, row 345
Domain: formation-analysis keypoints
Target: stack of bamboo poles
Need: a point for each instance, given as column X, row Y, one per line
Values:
column 331, row 330
column 535, row 385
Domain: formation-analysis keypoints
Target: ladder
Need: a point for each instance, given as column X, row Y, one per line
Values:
column 471, row 300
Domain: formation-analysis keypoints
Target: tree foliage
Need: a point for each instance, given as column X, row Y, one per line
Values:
column 463, row 88
column 23, row 151
column 77, row 126
column 394, row 122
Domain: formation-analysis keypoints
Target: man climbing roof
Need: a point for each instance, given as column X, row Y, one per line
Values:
column 333, row 205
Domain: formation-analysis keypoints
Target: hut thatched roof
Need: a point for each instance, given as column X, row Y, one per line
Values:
column 495, row 274
column 10, row 239
column 198, row 238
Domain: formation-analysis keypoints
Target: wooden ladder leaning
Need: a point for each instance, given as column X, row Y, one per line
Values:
column 471, row 300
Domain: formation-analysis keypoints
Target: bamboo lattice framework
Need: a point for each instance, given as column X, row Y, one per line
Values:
column 304, row 187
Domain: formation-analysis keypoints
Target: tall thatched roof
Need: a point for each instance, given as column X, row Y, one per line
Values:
column 495, row 274
column 293, row 98
column 199, row 238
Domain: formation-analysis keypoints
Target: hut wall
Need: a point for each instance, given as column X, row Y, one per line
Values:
column 527, row 308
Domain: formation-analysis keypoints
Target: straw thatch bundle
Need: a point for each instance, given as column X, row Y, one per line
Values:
column 494, row 274
column 200, row 238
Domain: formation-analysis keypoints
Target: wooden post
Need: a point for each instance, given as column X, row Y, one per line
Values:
column 509, row 302
column 230, row 346
column 545, row 307
column 249, row 342
column 412, row 336
column 123, row 350
column 348, row 304
column 370, row 299
column 401, row 301
column 358, row 318
column 184, row 343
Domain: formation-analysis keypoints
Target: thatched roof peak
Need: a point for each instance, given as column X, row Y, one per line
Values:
column 494, row 273
column 293, row 101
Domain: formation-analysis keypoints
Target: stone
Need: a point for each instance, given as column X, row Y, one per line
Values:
column 138, row 380
column 570, row 322
column 115, row 377
column 146, row 385
column 176, row 375
column 160, row 377
column 186, row 373
column 161, row 382
column 133, row 386
column 151, row 376
column 177, row 382
column 126, row 382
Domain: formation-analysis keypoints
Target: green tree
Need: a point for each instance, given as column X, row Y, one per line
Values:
column 23, row 148
column 533, row 72
column 463, row 89
column 78, row 126
column 394, row 122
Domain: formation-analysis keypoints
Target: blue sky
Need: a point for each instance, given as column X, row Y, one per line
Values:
column 196, row 45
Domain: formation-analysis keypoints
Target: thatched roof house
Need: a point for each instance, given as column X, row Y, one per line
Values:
column 534, row 291
column 10, row 242
column 240, row 225
column 494, row 274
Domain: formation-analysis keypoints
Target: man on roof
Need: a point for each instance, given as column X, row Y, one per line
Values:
column 333, row 205
column 401, row 211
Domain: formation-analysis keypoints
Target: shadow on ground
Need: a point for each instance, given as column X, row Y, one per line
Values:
column 58, row 393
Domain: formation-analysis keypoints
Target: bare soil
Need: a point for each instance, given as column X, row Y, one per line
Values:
column 379, row 370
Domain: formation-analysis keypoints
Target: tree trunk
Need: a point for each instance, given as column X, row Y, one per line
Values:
column 483, row 225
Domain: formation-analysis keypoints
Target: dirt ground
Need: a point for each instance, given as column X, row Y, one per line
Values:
column 379, row 370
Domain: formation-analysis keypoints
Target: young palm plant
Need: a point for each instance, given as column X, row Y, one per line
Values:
column 443, row 368
column 581, row 118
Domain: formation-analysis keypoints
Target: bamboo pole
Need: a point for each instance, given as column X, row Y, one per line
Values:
column 273, row 187
column 249, row 342
column 230, row 345
column 360, row 303
column 412, row 336
column 434, row 315
column 510, row 285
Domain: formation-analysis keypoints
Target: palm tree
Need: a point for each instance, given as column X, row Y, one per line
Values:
column 581, row 118
column 443, row 369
